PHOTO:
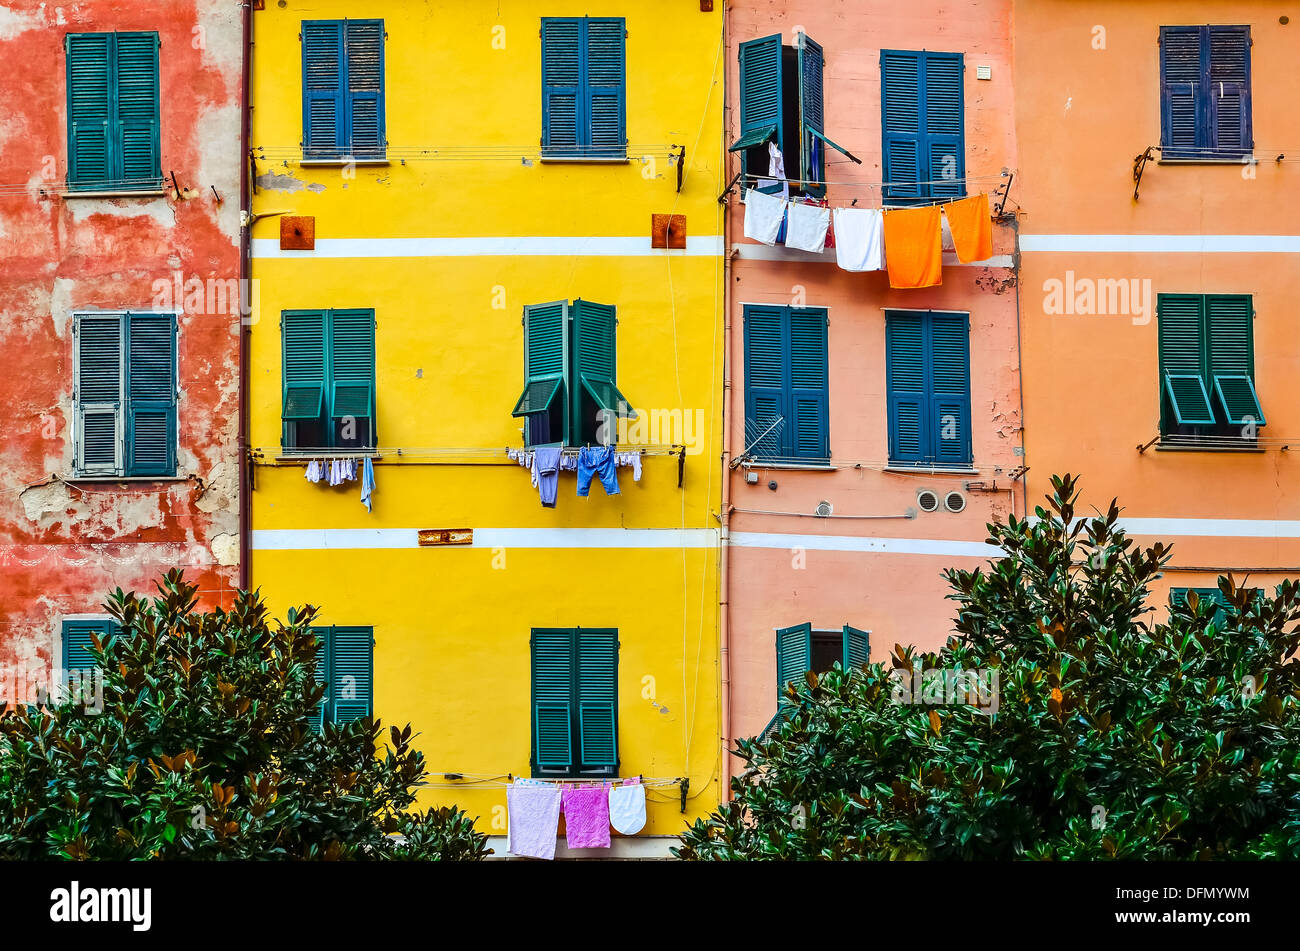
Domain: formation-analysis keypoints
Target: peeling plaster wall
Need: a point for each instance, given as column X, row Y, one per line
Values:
column 64, row 545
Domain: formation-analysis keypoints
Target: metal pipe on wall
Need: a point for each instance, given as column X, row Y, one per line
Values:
column 246, row 291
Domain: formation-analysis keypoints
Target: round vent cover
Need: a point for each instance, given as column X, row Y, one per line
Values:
column 954, row 501
column 927, row 500
column 824, row 509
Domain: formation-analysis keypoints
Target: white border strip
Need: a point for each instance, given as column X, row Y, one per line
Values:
column 894, row 546
column 336, row 539
column 1213, row 527
column 698, row 246
column 762, row 252
column 1164, row 243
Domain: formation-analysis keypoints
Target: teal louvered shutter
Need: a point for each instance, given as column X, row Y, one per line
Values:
column 303, row 336
column 1185, row 398
column 605, row 87
column 351, row 673
column 323, row 106
column 767, row 427
column 352, row 371
column 944, row 141
column 90, row 142
column 364, row 72
column 552, row 689
column 595, row 361
column 1182, row 92
column 138, row 110
column 856, row 648
column 907, row 395
column 562, row 84
column 101, row 422
column 793, row 657
column 1228, row 106
column 76, row 643
column 546, row 363
column 762, row 98
column 151, row 387
column 321, row 674
column 949, row 422
column 1231, row 357
column 597, row 690
column 812, row 117
column 901, row 117
column 808, row 405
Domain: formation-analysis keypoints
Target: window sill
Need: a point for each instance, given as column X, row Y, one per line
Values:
column 1249, row 450
column 1238, row 160
column 76, row 479
column 932, row 470
column 152, row 193
column 584, row 160
column 793, row 466
column 342, row 162
column 308, row 456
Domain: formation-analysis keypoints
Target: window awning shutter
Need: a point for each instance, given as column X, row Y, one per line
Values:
column 1187, row 397
column 595, row 359
column 856, row 648
column 546, row 357
column 753, row 137
column 304, row 364
column 1237, row 397
column 352, row 351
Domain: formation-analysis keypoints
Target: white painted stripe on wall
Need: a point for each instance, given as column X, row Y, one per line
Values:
column 761, row 252
column 333, row 539
column 1164, row 243
column 896, row 546
column 635, row 246
column 1213, row 527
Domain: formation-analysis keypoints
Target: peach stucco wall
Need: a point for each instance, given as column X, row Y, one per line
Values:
column 899, row 596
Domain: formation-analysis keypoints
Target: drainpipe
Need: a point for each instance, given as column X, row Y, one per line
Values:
column 246, row 289
column 1020, row 375
column 724, row 568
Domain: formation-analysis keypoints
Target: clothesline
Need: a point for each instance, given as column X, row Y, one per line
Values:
column 770, row 179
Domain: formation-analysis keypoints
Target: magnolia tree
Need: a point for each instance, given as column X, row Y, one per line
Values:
column 1067, row 718
column 200, row 747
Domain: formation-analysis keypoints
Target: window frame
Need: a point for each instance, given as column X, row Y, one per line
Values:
column 325, row 661
column 583, row 149
column 329, row 385
column 345, row 99
column 787, row 392
column 894, row 395
column 1204, row 103
column 894, row 191
column 577, row 769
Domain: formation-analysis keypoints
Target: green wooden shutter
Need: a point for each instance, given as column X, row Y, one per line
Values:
column 76, row 643
column 1229, row 321
column 546, row 357
column 151, row 385
column 808, row 420
column 597, row 695
column 552, row 676
column 352, row 368
column 762, row 98
column 364, row 71
column 812, row 117
column 561, row 85
column 1185, row 399
column 323, row 108
column 321, row 675
column 605, row 87
column 89, row 77
column 767, row 422
column 351, row 673
column 950, row 425
column 138, row 110
column 908, row 397
column 303, row 338
column 856, row 648
column 944, row 142
column 793, row 655
column 595, row 361
column 100, row 416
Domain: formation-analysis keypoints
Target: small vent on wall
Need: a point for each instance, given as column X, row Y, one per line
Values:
column 954, row 501
column 927, row 500
column 824, row 509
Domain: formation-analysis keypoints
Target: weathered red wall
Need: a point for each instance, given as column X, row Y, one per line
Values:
column 64, row 546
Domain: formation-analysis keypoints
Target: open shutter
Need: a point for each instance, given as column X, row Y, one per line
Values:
column 546, row 361
column 812, row 150
column 1183, row 370
column 767, row 394
column 793, row 657
column 606, row 87
column 761, row 99
column 856, row 648
column 1229, row 120
column 364, row 69
column 323, row 106
column 90, row 73
column 351, row 673
column 909, row 416
column 950, row 425
column 138, row 110
column 1231, row 355
column 151, row 382
column 595, row 360
column 76, row 643
column 1182, row 92
column 325, row 639
column 902, row 138
column 100, row 419
column 944, row 144
column 303, row 335
column 561, row 85
column 808, row 437
column 553, row 673
column 598, row 698
column 352, row 354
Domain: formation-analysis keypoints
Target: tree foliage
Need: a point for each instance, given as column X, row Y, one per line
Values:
column 203, row 750
column 1122, row 731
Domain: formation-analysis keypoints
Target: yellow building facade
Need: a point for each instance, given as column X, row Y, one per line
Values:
column 425, row 175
